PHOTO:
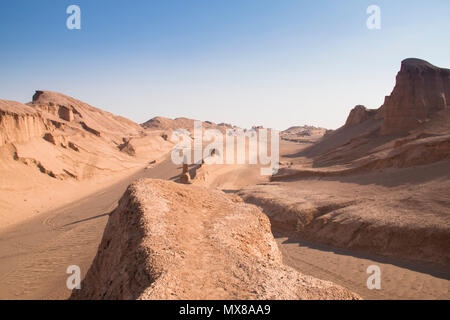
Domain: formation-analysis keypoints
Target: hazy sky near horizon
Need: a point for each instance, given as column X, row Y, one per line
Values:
column 248, row 62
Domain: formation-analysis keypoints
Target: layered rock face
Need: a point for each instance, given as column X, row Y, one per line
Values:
column 396, row 159
column 19, row 123
column 418, row 108
column 91, row 119
column 65, row 138
column 421, row 90
column 358, row 115
column 412, row 225
column 172, row 241
column 51, row 111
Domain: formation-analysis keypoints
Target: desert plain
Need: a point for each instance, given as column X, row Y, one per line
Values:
column 81, row 186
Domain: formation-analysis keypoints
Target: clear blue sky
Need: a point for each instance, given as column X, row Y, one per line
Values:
column 246, row 62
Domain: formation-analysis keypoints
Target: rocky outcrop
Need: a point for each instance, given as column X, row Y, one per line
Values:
column 421, row 90
column 413, row 151
column 185, row 176
column 19, row 123
column 167, row 124
column 91, row 119
column 358, row 115
column 145, row 145
column 172, row 241
column 50, row 138
column 65, row 138
column 418, row 107
column 127, row 147
column 303, row 134
column 409, row 226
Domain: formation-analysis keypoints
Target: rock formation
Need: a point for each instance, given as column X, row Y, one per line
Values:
column 358, row 115
column 395, row 158
column 19, row 123
column 170, row 241
column 167, row 124
column 185, row 178
column 412, row 226
column 68, row 139
column 421, row 90
column 185, row 175
column 418, row 108
column 92, row 119
column 56, row 138
column 303, row 134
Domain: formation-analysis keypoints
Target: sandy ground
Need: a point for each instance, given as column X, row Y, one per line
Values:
column 34, row 255
column 399, row 280
column 48, row 194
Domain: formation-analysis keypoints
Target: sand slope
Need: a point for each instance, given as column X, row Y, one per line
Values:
column 55, row 142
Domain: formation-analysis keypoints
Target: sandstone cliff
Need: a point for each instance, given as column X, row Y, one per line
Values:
column 91, row 119
column 19, row 123
column 172, row 241
column 421, row 90
column 358, row 115
column 417, row 109
column 379, row 183
column 54, row 144
column 402, row 213
column 66, row 138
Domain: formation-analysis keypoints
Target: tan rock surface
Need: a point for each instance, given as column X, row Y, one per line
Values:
column 167, row 124
column 303, row 134
column 402, row 213
column 56, row 137
column 379, row 183
column 358, row 115
column 421, row 90
column 416, row 110
column 170, row 241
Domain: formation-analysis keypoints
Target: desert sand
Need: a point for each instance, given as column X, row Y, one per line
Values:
column 56, row 149
column 35, row 254
column 373, row 192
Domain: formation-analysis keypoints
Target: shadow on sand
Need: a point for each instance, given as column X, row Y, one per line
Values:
column 438, row 272
column 87, row 219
